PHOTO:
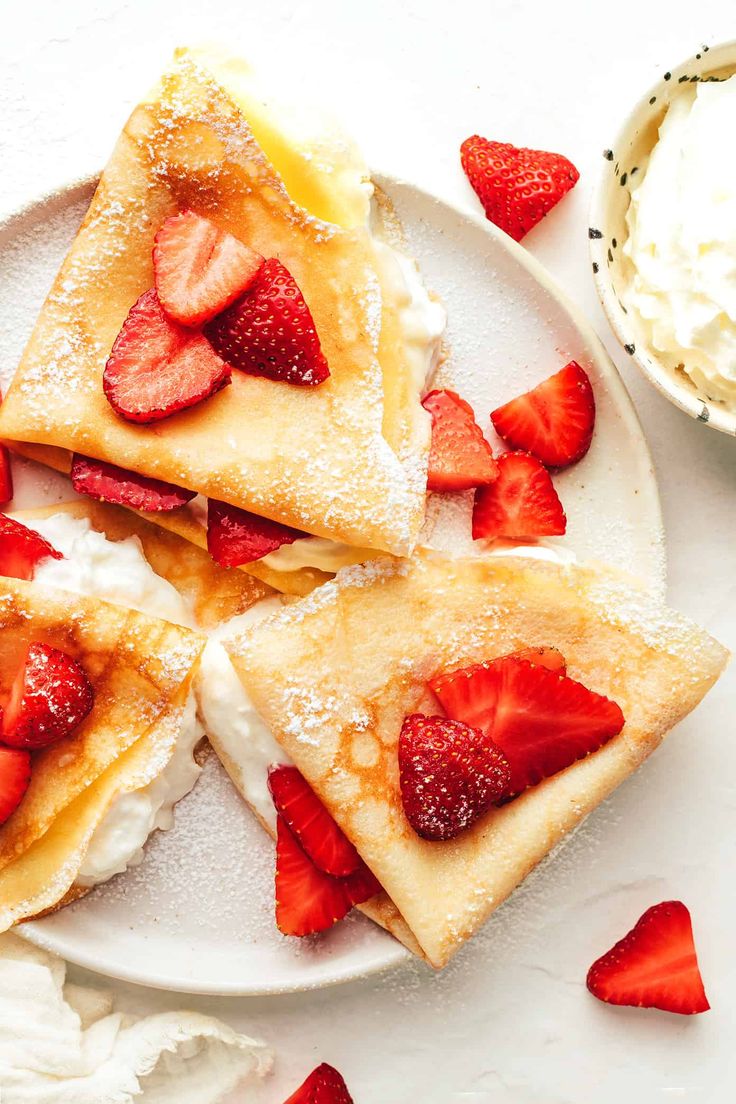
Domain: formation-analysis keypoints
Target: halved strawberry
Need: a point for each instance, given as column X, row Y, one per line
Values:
column 6, row 476
column 270, row 331
column 654, row 966
column 50, row 696
column 157, row 367
column 551, row 658
column 450, row 775
column 199, row 268
column 21, row 549
column 516, row 186
column 307, row 899
column 323, row 1086
column 108, row 483
column 460, row 457
column 554, row 421
column 323, row 840
column 521, row 504
column 541, row 720
column 15, row 775
column 236, row 536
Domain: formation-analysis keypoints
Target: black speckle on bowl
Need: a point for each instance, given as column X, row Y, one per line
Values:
column 593, row 233
column 610, row 257
column 630, row 348
column 624, row 178
column 706, row 49
column 683, row 78
column 704, row 415
column 668, row 76
column 698, row 57
column 694, row 79
column 595, row 266
column 634, row 170
column 614, row 243
column 653, row 99
column 608, row 154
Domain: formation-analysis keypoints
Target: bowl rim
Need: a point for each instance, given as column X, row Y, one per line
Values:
column 713, row 414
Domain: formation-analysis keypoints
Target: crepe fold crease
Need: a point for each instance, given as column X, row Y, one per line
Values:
column 335, row 674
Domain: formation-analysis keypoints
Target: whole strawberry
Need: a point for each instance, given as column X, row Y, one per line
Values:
column 517, row 187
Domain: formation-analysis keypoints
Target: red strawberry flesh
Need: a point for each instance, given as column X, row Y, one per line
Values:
column 323, row 840
column 450, row 775
column 522, row 504
column 15, row 776
column 236, row 536
column 49, row 699
column 542, row 720
column 459, row 457
column 6, row 476
column 654, row 966
column 554, row 421
column 157, row 367
column 516, row 186
column 199, row 268
column 108, row 483
column 22, row 549
column 307, row 899
column 323, row 1086
column 270, row 331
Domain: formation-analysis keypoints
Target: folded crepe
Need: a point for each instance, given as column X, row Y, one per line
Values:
column 334, row 675
column 344, row 461
column 142, row 670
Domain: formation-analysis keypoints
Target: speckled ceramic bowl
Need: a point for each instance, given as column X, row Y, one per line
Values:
column 623, row 165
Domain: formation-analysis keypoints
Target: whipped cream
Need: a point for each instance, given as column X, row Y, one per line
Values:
column 682, row 240
column 118, row 571
column 239, row 735
column 540, row 551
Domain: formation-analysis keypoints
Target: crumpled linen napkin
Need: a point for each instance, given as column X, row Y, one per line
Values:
column 63, row 1044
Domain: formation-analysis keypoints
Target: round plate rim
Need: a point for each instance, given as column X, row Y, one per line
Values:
column 395, row 953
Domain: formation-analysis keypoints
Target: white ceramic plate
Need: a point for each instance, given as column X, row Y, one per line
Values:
column 197, row 915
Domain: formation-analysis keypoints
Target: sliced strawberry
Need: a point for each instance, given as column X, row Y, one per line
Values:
column 551, row 658
column 450, row 775
column 270, row 331
column 307, row 899
column 554, row 421
column 157, row 367
column 15, row 775
column 654, row 966
column 323, row 1086
column 541, row 720
column 460, row 457
column 49, row 698
column 516, row 186
column 21, row 549
column 108, row 483
column 236, row 537
column 6, row 476
column 200, row 269
column 323, row 840
column 521, row 504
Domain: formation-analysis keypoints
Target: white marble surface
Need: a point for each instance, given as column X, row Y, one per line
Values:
column 504, row 1022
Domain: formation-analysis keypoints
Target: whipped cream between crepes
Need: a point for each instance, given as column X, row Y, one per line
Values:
column 682, row 240
column 118, row 571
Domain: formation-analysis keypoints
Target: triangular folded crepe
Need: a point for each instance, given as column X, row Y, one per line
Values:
column 346, row 460
column 141, row 671
column 334, row 675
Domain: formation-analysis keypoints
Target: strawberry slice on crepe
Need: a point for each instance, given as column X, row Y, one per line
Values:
column 108, row 483
column 270, row 331
column 521, row 504
column 21, row 549
column 554, row 421
column 459, row 457
column 157, row 367
column 49, row 698
column 541, row 720
column 323, row 1086
column 199, row 269
column 15, row 776
column 324, row 842
column 654, row 966
column 516, row 186
column 236, row 537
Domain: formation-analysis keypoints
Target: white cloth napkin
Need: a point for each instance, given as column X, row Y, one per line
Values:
column 63, row 1044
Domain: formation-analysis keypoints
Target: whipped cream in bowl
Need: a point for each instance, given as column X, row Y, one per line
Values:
column 663, row 236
